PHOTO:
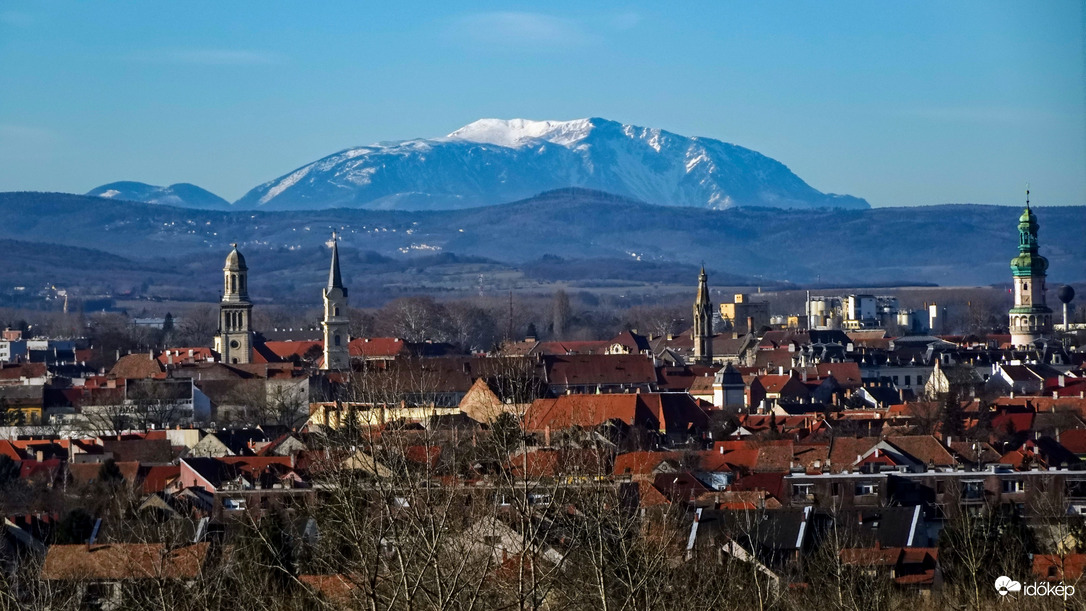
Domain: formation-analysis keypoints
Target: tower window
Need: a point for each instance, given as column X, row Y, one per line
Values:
column 233, row 283
column 1025, row 286
column 335, row 311
column 337, row 340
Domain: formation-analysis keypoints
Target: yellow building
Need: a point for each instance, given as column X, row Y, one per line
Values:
column 742, row 311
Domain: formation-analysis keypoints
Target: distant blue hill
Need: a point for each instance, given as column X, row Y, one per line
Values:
column 183, row 195
column 960, row 244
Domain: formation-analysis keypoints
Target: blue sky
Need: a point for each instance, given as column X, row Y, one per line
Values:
column 901, row 103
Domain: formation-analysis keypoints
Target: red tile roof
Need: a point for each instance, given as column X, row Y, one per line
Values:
column 600, row 370
column 377, row 347
column 287, row 350
column 123, row 561
column 1053, row 567
column 136, row 366
column 586, row 411
column 155, row 478
column 643, row 463
column 17, row 371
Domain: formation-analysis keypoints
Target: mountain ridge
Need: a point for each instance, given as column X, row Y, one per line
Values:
column 921, row 244
column 183, row 194
column 490, row 161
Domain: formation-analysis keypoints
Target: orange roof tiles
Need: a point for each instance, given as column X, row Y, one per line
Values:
column 136, row 366
column 1053, row 567
column 115, row 561
column 376, row 347
column 585, row 411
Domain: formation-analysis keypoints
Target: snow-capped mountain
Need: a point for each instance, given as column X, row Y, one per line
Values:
column 493, row 161
column 183, row 195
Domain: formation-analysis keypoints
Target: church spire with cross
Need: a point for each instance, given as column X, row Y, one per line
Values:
column 703, row 322
column 335, row 324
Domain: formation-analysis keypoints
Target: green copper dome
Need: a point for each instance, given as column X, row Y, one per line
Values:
column 1028, row 262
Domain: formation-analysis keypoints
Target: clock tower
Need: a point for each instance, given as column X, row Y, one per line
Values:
column 1030, row 318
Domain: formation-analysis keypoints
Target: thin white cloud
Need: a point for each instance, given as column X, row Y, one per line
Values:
column 212, row 57
column 520, row 29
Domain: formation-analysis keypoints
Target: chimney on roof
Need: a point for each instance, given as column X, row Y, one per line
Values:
column 750, row 324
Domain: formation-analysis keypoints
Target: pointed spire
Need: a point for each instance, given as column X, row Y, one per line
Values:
column 1027, row 196
column 335, row 281
column 703, row 289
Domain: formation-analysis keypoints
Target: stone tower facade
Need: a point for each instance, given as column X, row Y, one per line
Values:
column 234, row 340
column 1030, row 318
column 336, row 355
column 703, row 322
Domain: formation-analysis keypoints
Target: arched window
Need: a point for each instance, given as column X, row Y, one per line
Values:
column 335, row 311
column 233, row 283
column 337, row 340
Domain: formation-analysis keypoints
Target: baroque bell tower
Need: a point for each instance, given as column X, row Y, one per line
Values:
column 335, row 323
column 703, row 322
column 234, row 340
column 1030, row 318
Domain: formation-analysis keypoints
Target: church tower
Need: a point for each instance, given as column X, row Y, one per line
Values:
column 336, row 355
column 703, row 322
column 234, row 340
column 1030, row 317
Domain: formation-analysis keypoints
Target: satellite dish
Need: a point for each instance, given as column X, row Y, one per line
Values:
column 1065, row 294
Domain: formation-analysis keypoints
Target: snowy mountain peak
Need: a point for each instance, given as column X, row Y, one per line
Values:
column 515, row 133
column 494, row 161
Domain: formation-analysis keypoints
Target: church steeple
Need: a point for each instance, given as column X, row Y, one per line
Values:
column 234, row 340
column 703, row 322
column 1030, row 318
column 335, row 280
column 337, row 356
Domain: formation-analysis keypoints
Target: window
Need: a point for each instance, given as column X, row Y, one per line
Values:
column 835, row 489
column 1013, row 485
column 802, row 489
column 940, row 487
column 1076, row 488
column 866, row 488
column 973, row 489
column 337, row 340
column 919, row 380
column 908, row 381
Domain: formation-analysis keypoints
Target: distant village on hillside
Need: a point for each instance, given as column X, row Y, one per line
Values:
column 853, row 450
